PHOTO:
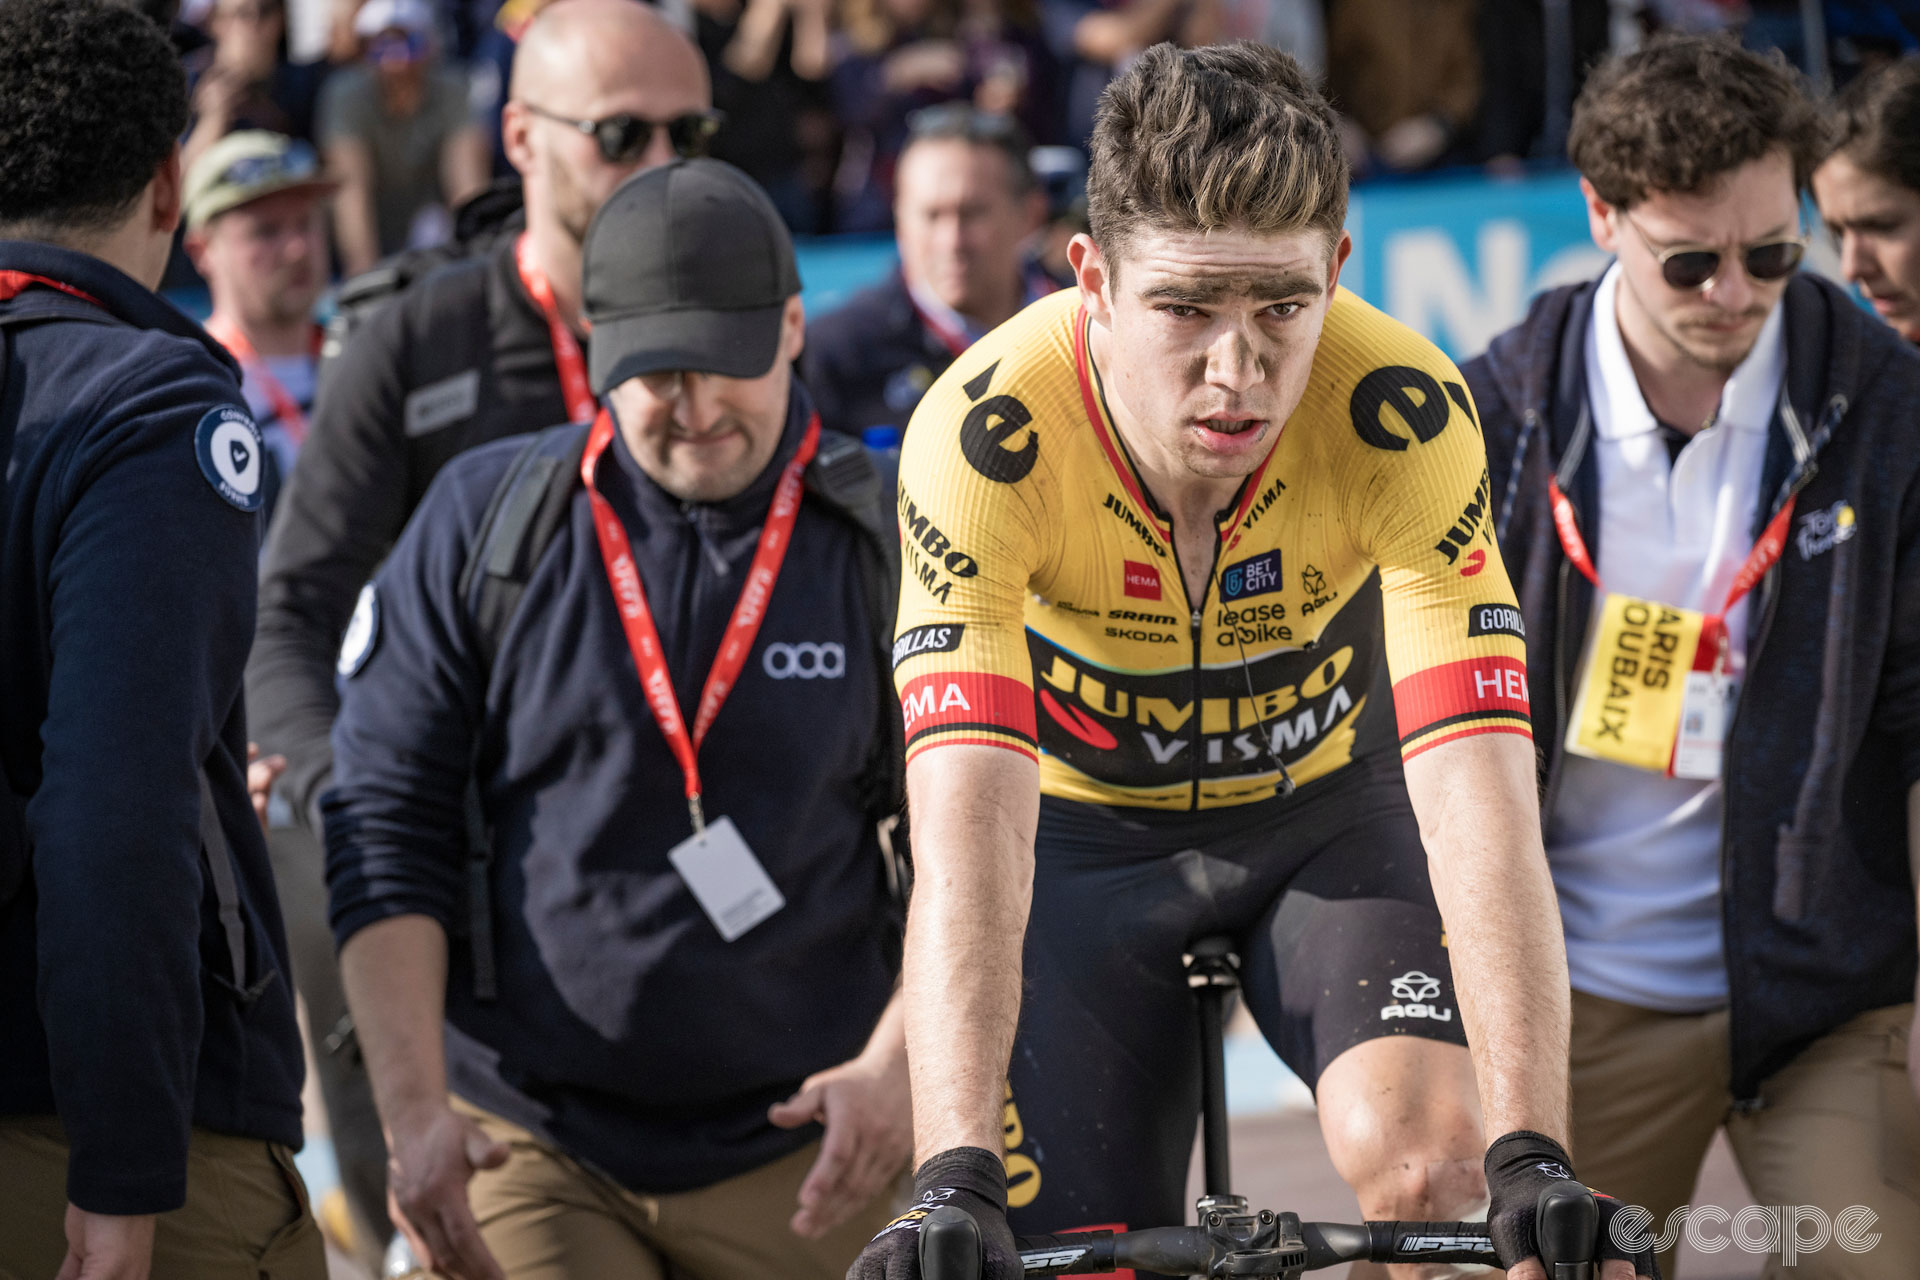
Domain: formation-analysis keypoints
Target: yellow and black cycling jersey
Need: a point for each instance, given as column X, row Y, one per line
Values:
column 1042, row 607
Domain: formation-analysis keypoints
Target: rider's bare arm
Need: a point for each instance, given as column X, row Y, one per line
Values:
column 1480, row 820
column 973, row 810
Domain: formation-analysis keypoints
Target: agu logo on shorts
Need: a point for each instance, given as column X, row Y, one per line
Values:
column 228, row 447
column 356, row 646
column 1414, row 990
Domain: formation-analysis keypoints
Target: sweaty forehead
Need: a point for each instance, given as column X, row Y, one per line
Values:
column 1219, row 265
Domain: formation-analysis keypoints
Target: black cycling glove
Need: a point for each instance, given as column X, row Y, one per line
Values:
column 969, row 1178
column 1519, row 1167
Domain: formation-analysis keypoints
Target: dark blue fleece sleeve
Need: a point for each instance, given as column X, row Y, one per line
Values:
column 1897, row 708
column 411, row 704
column 150, row 608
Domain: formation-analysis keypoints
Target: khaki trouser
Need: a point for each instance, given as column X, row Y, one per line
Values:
column 246, row 1215
column 1838, row 1126
column 544, row 1216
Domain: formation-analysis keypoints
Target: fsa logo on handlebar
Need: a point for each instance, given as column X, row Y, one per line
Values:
column 1441, row 1244
column 1033, row 1260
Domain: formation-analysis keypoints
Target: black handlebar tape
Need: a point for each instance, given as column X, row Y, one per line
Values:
column 950, row 1245
column 1074, row 1254
column 1565, row 1223
column 1334, row 1242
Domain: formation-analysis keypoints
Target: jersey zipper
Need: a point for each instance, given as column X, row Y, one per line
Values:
column 1197, row 611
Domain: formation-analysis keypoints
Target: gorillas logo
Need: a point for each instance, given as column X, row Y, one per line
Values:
column 988, row 425
column 1414, row 397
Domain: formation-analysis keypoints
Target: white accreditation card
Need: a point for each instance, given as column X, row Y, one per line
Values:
column 727, row 880
column 1704, row 714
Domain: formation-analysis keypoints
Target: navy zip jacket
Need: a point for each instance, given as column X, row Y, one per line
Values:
column 131, row 537
column 868, row 362
column 626, row 1032
column 1817, row 897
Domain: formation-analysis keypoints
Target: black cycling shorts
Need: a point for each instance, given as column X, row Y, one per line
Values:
column 1326, row 896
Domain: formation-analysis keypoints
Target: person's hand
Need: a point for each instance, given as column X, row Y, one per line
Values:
column 867, row 1109
column 1521, row 1165
column 430, row 1160
column 1414, row 143
column 969, row 1178
column 261, row 775
column 107, row 1246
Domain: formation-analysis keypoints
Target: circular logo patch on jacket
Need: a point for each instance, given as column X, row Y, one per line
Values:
column 228, row 446
column 356, row 646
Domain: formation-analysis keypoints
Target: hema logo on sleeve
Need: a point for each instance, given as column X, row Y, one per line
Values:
column 227, row 445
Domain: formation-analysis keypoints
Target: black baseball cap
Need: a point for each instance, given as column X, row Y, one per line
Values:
column 687, row 267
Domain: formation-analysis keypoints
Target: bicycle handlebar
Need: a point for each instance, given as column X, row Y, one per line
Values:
column 1265, row 1244
column 1192, row 1250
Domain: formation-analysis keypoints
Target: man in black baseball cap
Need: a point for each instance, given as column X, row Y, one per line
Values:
column 674, row 1046
column 694, row 299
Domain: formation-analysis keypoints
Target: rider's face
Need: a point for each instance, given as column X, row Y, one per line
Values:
column 1210, row 339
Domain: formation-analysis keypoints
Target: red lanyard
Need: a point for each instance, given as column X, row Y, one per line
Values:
column 1713, row 631
column 566, row 349
column 748, row 612
column 953, row 339
column 286, row 410
column 14, row 283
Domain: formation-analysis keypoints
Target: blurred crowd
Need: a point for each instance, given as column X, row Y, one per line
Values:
column 401, row 98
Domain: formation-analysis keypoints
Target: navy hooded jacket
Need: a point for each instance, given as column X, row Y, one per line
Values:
column 626, row 1032
column 131, row 539
column 1816, row 892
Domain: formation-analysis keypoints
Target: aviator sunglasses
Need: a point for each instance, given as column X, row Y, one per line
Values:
column 625, row 138
column 1689, row 267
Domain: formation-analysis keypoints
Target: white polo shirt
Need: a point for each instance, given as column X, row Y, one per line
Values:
column 1636, row 856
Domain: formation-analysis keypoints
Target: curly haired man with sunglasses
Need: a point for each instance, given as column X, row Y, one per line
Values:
column 1704, row 473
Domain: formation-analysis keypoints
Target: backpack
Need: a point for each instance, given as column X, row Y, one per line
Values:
column 520, row 521
column 478, row 225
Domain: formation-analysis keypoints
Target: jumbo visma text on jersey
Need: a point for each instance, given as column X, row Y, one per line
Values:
column 1043, row 608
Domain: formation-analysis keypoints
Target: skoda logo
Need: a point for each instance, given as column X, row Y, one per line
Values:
column 807, row 661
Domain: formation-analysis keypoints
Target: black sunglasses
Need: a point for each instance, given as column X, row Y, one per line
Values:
column 1687, row 268
column 624, row 138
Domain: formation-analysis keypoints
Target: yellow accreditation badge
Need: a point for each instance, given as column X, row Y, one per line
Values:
column 1633, row 685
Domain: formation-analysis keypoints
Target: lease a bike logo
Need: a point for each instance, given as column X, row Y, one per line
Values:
column 1252, row 577
column 1415, row 991
column 990, row 426
column 805, row 661
column 1396, row 404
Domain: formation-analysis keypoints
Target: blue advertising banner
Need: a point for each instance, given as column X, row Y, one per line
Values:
column 1457, row 258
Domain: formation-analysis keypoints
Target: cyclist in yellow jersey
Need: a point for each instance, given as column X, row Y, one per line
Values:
column 1195, row 556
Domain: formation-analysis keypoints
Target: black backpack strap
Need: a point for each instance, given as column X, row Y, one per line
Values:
column 851, row 479
column 521, row 518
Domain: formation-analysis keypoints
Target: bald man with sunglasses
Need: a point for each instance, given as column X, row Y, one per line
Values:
column 1704, row 477
column 477, row 350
